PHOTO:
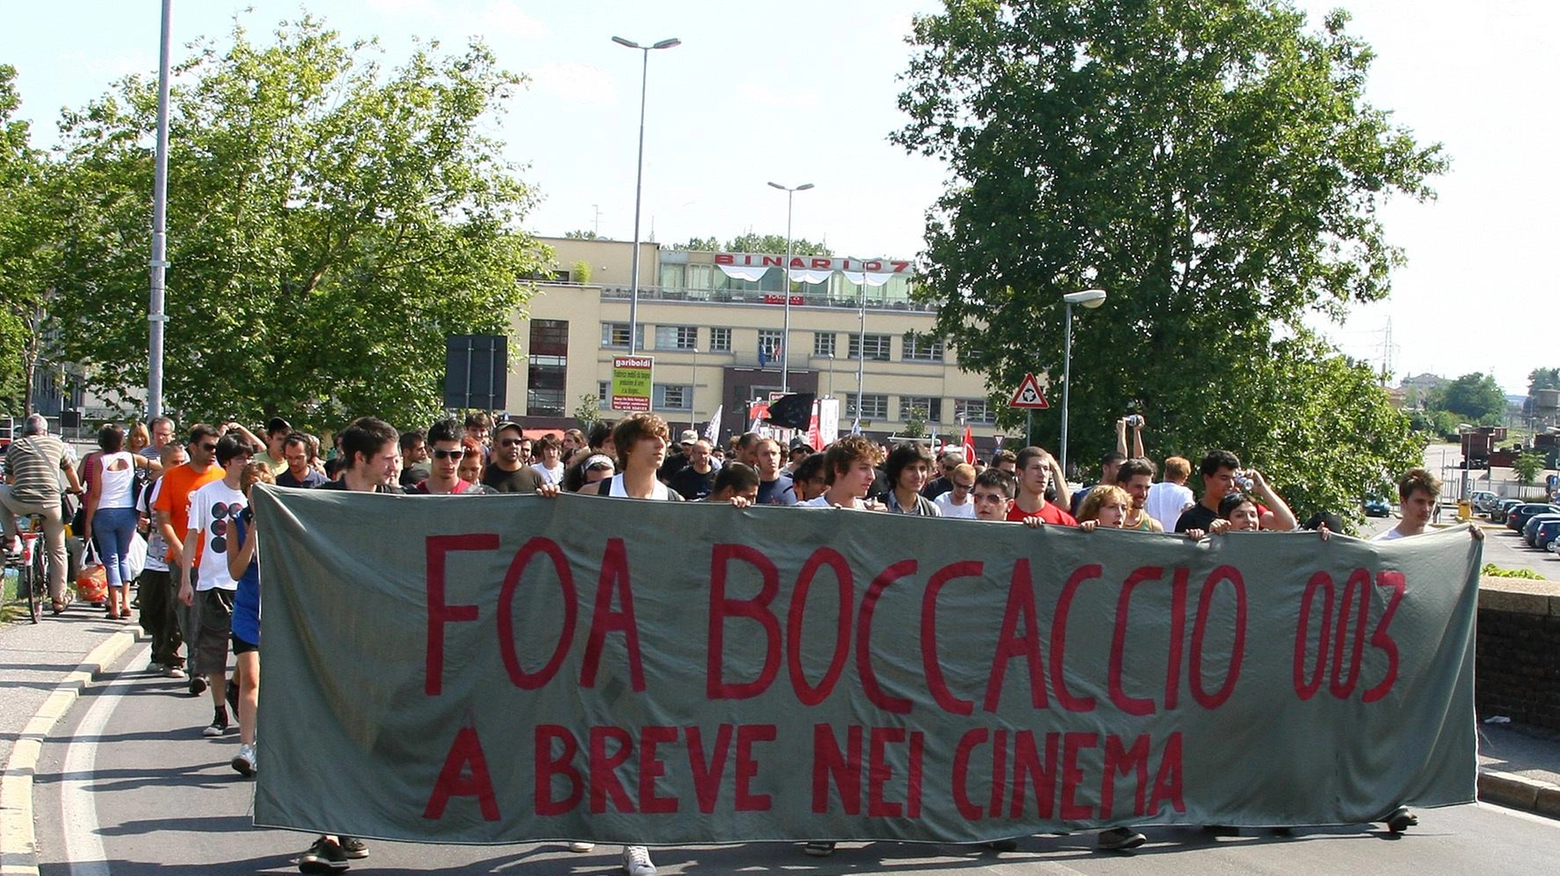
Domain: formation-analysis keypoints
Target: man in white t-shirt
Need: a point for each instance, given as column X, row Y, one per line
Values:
column 959, row 501
column 1168, row 498
column 851, row 467
column 213, row 508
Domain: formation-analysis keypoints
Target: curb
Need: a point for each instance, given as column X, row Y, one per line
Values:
column 1519, row 792
column 18, row 842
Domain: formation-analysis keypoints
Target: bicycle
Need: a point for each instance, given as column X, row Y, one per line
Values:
column 32, row 575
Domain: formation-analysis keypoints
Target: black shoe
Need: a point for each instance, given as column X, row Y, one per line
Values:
column 354, row 847
column 197, row 685
column 231, row 695
column 1119, row 839
column 219, row 724
column 323, row 857
column 1002, row 845
column 1401, row 819
column 819, row 848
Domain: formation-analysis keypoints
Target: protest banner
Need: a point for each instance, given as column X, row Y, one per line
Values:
column 499, row 669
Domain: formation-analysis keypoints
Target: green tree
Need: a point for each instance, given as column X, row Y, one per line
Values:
column 770, row 244
column 1527, row 467
column 1215, row 167
column 581, row 235
column 589, row 410
column 1475, row 398
column 1543, row 378
column 26, row 256
column 330, row 222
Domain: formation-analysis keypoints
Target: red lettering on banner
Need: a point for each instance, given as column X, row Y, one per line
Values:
column 772, row 261
column 1072, row 776
column 1059, row 642
column 1028, row 767
column 961, row 773
column 873, row 265
column 604, row 781
column 808, row 694
column 1118, row 645
column 1359, row 582
column 747, row 767
column 999, row 750
column 822, row 264
column 548, row 767
column 465, row 756
column 614, row 577
column 506, row 614
column 1177, row 637
column 1237, row 648
column 900, row 267
column 1123, row 760
column 652, row 768
column 1305, row 687
column 439, row 613
column 1020, row 607
column 916, row 770
column 722, row 258
column 1167, row 781
column 879, row 772
column 1381, row 639
column 843, row 767
column 708, row 771
column 935, row 680
column 756, row 608
column 869, row 680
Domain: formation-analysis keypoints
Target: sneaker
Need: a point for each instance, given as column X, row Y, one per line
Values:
column 582, row 848
column 636, row 861
column 1001, row 845
column 219, row 724
column 197, row 685
column 819, row 848
column 323, row 857
column 155, row 667
column 174, row 672
column 244, row 761
column 353, row 847
column 231, row 695
column 1119, row 839
column 1401, row 819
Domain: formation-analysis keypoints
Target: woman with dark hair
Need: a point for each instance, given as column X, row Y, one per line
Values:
column 110, row 512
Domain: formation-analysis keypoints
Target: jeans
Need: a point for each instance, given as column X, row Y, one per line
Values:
column 112, row 529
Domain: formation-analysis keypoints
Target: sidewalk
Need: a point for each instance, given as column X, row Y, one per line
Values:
column 1519, row 767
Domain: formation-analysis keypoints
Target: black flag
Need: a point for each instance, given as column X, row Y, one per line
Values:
column 793, row 411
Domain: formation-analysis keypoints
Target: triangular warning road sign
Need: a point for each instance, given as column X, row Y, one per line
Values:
column 1029, row 395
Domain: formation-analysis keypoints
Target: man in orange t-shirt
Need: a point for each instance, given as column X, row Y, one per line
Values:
column 173, row 519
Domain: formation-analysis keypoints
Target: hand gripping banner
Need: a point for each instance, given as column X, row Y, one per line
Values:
column 500, row 669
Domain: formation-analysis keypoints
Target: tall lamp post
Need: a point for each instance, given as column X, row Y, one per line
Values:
column 785, row 277
column 1090, row 298
column 639, row 181
column 693, row 394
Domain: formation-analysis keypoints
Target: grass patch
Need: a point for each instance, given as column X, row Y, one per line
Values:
column 1493, row 571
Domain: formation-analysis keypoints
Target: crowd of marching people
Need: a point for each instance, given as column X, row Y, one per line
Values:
column 199, row 588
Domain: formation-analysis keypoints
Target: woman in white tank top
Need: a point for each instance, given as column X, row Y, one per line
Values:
column 111, row 514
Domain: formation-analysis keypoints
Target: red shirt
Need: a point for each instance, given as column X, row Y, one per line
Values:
column 1049, row 513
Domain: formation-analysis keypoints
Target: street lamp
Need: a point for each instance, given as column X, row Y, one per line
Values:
column 1090, row 298
column 785, row 275
column 693, row 394
column 639, row 180
column 831, row 374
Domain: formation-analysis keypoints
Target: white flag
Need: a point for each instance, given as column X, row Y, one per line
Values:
column 712, row 431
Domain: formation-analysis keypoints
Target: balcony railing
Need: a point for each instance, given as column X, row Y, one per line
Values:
column 756, row 297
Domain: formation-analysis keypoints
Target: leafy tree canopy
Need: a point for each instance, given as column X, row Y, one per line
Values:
column 772, row 244
column 24, row 253
column 1475, row 398
column 330, row 222
column 1543, row 378
column 1214, row 166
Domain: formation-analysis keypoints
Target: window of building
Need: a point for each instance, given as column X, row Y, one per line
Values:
column 720, row 340
column 769, row 343
column 930, row 408
column 671, row 397
column 874, row 406
column 922, row 348
column 823, row 344
column 974, row 411
column 615, row 334
column 547, row 367
column 876, row 346
column 676, row 337
column 604, row 394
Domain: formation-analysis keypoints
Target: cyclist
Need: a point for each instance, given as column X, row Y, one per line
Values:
column 33, row 466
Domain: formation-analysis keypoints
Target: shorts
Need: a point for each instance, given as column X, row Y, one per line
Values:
column 242, row 647
column 213, row 627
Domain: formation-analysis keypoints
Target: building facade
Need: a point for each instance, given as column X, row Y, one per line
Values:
column 714, row 325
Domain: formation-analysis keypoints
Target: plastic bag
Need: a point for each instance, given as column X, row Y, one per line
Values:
column 136, row 556
column 92, row 582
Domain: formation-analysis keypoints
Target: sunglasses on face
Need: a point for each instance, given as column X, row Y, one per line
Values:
column 448, row 454
column 512, row 442
column 209, row 448
column 959, row 486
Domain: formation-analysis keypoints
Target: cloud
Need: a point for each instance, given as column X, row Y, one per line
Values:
column 573, row 81
column 507, row 18
column 404, row 8
column 763, row 95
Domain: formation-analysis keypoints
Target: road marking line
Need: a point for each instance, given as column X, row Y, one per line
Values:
column 78, row 807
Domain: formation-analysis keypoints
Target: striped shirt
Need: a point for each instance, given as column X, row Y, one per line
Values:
column 34, row 462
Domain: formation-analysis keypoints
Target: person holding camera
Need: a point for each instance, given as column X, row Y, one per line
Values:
column 1221, row 476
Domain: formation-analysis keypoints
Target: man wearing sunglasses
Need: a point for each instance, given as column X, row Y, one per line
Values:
column 507, row 471
column 173, row 520
column 446, row 452
column 958, row 501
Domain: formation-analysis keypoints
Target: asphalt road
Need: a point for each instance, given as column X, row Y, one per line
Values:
column 127, row 786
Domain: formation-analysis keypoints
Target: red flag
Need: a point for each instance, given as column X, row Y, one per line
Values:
column 969, row 446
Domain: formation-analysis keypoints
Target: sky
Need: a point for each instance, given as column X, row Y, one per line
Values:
column 804, row 91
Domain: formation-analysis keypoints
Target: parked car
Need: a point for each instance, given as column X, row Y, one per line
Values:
column 1483, row 500
column 1530, row 528
column 1548, row 535
column 1520, row 514
column 1498, row 515
column 1375, row 506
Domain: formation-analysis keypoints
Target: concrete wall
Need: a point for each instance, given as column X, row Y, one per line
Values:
column 1517, row 655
